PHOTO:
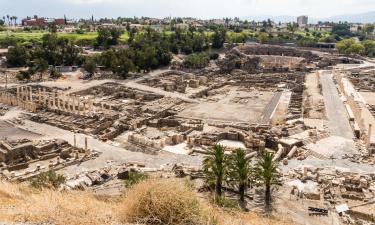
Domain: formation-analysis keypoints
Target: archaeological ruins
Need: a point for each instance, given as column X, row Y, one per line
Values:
column 314, row 110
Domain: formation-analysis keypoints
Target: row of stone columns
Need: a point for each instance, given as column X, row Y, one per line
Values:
column 54, row 100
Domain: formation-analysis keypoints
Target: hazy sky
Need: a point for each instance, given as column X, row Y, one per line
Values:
column 193, row 8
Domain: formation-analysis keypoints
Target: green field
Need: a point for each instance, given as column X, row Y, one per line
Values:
column 28, row 36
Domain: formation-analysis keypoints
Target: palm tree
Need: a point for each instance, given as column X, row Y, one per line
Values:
column 8, row 20
column 266, row 171
column 215, row 168
column 15, row 20
column 240, row 171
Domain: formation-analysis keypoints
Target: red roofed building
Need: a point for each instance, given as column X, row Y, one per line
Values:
column 41, row 21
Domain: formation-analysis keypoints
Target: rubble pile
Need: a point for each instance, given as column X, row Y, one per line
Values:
column 355, row 191
column 29, row 158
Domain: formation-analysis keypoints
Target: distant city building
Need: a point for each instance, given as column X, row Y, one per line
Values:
column 41, row 21
column 302, row 20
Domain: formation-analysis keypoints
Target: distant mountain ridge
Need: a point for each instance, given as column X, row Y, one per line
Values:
column 368, row 17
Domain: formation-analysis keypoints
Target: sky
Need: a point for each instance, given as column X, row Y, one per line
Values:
column 204, row 9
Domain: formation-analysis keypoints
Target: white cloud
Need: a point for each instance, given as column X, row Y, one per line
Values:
column 89, row 1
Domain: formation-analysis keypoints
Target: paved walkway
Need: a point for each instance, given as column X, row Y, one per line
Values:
column 338, row 122
column 270, row 108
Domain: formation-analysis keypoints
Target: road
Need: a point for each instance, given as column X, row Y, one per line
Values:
column 338, row 122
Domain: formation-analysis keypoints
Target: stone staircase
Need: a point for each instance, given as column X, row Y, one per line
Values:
column 310, row 152
column 318, row 138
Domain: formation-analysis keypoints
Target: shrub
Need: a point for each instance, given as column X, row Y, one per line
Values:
column 214, row 56
column 164, row 201
column 55, row 74
column 135, row 178
column 23, row 75
column 48, row 179
column 196, row 61
column 226, row 202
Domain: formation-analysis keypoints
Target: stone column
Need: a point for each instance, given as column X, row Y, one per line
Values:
column 45, row 96
column 18, row 93
column 90, row 104
column 31, row 93
column 85, row 143
column 40, row 96
column 58, row 100
column 369, row 136
column 23, row 93
column 84, row 108
column 53, row 99
column 78, row 104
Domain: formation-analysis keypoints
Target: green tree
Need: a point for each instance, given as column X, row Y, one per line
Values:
column 266, row 172
column 39, row 66
column 262, row 38
column 70, row 53
column 218, row 38
column 342, row 29
column 369, row 28
column 356, row 48
column 90, row 66
column 240, row 171
column 343, row 46
column 215, row 168
column 124, row 63
column 17, row 56
column 369, row 47
column 108, row 36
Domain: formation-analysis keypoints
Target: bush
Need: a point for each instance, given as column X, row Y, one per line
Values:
column 165, row 201
column 48, row 179
column 135, row 178
column 214, row 56
column 54, row 73
column 196, row 61
column 350, row 46
column 23, row 75
column 226, row 202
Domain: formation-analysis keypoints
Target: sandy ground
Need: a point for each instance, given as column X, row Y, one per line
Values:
column 8, row 130
column 231, row 105
column 333, row 146
column 369, row 97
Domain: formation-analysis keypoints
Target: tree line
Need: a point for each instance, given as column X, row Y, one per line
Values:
column 351, row 46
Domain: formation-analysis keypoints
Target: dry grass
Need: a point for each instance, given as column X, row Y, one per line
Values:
column 21, row 203
column 168, row 202
column 149, row 202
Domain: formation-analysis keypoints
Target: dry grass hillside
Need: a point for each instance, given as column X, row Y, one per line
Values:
column 169, row 202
